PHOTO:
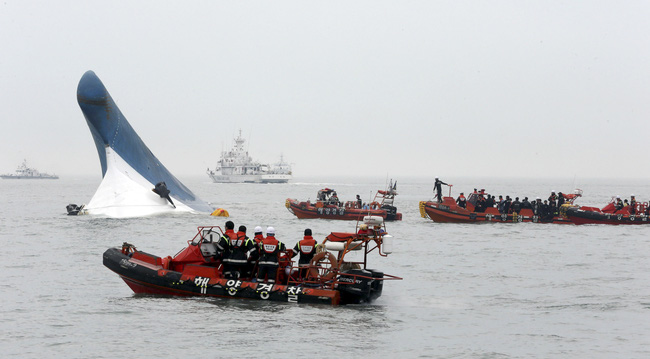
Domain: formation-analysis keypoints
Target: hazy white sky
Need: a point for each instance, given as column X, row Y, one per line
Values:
column 417, row 88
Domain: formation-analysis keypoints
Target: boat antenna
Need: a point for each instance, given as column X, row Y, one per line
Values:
column 250, row 134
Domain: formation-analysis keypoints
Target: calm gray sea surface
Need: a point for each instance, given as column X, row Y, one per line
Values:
column 469, row 291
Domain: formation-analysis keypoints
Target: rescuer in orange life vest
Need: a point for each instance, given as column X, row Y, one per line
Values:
column 223, row 245
column 462, row 202
column 240, row 250
column 224, row 242
column 307, row 248
column 270, row 249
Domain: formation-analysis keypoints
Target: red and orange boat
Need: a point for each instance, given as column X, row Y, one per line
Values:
column 197, row 270
column 448, row 211
column 328, row 206
column 637, row 214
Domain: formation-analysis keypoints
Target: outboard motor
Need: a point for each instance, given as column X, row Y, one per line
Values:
column 391, row 212
column 163, row 192
column 73, row 209
column 357, row 289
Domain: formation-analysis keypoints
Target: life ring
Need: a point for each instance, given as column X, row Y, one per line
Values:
column 314, row 265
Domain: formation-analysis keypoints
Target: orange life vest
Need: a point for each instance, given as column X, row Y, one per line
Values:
column 270, row 245
column 307, row 245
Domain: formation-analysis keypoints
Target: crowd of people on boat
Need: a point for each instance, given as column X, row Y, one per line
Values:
column 544, row 209
column 259, row 257
column 329, row 197
column 481, row 200
column 547, row 208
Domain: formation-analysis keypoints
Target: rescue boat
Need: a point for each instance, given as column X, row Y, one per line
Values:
column 197, row 270
column 448, row 211
column 637, row 214
column 328, row 206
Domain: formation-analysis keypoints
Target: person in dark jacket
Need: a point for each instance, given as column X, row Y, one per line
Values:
column 516, row 205
column 269, row 250
column 462, row 202
column 224, row 242
column 560, row 199
column 240, row 249
column 306, row 247
column 490, row 201
column 437, row 187
column 223, row 245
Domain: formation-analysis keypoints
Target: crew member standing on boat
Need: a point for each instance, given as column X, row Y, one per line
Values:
column 437, row 186
column 240, row 250
column 223, row 246
column 632, row 204
column 359, row 202
column 307, row 248
column 560, row 199
column 252, row 260
column 462, row 202
column 224, row 243
column 270, row 249
column 259, row 236
column 516, row 205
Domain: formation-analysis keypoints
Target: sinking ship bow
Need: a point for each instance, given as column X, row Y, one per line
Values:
column 130, row 171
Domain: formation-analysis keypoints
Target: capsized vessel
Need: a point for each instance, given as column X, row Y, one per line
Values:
column 130, row 171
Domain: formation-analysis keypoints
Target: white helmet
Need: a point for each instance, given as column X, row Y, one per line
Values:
column 258, row 229
column 270, row 231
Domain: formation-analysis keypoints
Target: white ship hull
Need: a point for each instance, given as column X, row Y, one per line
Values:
column 276, row 178
column 236, row 166
column 271, row 178
column 28, row 177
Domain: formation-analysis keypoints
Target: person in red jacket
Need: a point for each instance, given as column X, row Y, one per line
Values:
column 269, row 250
column 306, row 248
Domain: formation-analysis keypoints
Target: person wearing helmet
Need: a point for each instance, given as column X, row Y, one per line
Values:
column 619, row 203
column 437, row 187
column 269, row 249
column 259, row 236
column 306, row 247
column 363, row 229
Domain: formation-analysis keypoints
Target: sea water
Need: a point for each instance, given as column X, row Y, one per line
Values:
column 485, row 290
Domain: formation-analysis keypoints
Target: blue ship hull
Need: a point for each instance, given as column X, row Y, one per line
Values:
column 110, row 129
